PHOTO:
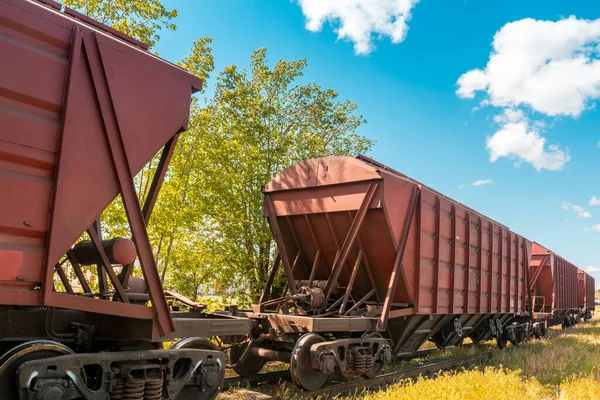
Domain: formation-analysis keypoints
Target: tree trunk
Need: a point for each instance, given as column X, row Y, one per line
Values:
column 164, row 271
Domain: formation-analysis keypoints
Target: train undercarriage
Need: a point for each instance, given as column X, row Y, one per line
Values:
column 61, row 354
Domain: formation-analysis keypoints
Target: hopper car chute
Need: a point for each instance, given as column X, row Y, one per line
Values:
column 82, row 109
column 376, row 264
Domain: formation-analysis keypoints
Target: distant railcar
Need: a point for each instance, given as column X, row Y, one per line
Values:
column 82, row 109
column 376, row 264
column 553, row 286
column 586, row 290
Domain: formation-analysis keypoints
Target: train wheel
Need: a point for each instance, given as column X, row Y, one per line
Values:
column 301, row 369
column 493, row 328
column 28, row 351
column 500, row 341
column 458, row 329
column 245, row 365
column 499, row 327
column 544, row 329
column 377, row 366
column 213, row 379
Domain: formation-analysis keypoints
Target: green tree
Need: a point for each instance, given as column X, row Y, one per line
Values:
column 208, row 229
column 141, row 19
column 259, row 121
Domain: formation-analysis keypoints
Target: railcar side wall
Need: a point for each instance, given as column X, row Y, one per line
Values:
column 466, row 263
column 590, row 291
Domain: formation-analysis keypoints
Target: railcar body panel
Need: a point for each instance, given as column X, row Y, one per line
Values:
column 586, row 287
column 590, row 292
column 553, row 284
column 419, row 256
column 82, row 109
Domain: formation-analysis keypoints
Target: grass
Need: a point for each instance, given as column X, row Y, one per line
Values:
column 562, row 366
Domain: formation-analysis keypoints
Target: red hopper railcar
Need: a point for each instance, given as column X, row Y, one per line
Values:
column 375, row 265
column 82, row 109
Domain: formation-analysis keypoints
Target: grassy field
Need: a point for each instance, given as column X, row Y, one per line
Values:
column 564, row 365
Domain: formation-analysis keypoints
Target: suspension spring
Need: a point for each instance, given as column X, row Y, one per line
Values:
column 357, row 362
column 360, row 360
column 124, row 390
column 368, row 362
column 153, row 389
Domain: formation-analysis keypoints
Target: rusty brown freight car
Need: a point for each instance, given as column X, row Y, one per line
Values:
column 82, row 109
column 586, row 291
column 553, row 286
column 368, row 251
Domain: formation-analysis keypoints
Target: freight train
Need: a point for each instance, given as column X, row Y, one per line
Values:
column 375, row 263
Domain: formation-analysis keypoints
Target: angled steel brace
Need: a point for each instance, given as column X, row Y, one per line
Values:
column 538, row 270
column 280, row 245
column 72, row 74
column 350, row 238
column 63, row 277
column 127, row 188
column 77, row 268
column 398, row 271
column 351, row 282
column 157, row 180
column 272, row 274
column 107, row 265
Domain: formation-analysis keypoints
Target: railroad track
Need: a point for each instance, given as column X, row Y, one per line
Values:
column 358, row 386
column 388, row 379
column 267, row 377
column 274, row 376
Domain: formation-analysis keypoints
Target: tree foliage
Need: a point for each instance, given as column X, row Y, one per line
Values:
column 141, row 19
column 259, row 121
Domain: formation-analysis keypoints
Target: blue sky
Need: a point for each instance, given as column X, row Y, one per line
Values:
column 407, row 91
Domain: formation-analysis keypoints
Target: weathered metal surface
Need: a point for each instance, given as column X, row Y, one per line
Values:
column 207, row 325
column 554, row 279
column 80, row 116
column 127, row 368
column 303, row 324
column 422, row 261
column 590, row 292
column 455, row 260
column 585, row 290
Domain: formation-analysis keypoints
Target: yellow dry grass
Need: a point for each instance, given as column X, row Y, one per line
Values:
column 563, row 366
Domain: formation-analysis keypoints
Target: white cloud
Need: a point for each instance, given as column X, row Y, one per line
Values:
column 517, row 139
column 591, row 268
column 581, row 212
column 360, row 21
column 483, row 182
column 596, row 228
column 594, row 201
column 549, row 67
column 461, row 187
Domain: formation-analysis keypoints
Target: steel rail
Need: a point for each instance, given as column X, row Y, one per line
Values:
column 385, row 380
column 360, row 385
column 266, row 377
